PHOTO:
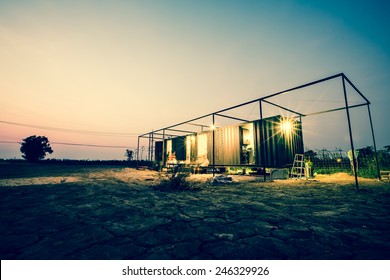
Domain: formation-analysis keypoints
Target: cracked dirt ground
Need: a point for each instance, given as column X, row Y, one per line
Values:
column 113, row 213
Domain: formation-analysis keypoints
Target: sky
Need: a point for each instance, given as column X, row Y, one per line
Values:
column 100, row 73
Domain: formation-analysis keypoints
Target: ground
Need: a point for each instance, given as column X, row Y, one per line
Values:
column 75, row 212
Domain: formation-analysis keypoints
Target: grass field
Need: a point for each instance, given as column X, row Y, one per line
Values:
column 97, row 212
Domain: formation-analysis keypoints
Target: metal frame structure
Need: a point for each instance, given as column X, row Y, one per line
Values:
column 172, row 131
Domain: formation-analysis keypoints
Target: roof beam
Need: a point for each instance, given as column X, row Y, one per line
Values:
column 233, row 118
column 358, row 91
column 284, row 108
column 336, row 109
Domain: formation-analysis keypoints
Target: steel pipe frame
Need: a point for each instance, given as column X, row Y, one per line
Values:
column 264, row 99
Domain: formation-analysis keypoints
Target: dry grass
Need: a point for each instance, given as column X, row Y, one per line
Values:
column 99, row 208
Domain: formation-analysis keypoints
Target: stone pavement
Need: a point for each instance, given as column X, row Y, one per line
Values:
column 113, row 218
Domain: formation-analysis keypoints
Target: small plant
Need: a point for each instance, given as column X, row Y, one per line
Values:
column 178, row 181
column 309, row 163
column 308, row 168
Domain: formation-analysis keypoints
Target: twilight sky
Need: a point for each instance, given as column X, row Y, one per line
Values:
column 102, row 72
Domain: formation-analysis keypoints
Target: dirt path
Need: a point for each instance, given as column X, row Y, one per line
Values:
column 115, row 214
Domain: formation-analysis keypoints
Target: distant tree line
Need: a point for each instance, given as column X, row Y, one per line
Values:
column 35, row 148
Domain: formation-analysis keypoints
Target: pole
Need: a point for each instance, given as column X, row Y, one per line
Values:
column 213, row 128
column 163, row 150
column 301, row 129
column 152, row 151
column 373, row 140
column 138, row 151
column 350, row 134
column 149, row 150
column 262, row 148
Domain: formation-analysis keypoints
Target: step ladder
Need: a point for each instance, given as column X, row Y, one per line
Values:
column 298, row 168
column 385, row 174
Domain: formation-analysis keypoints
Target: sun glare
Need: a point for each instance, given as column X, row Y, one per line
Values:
column 286, row 126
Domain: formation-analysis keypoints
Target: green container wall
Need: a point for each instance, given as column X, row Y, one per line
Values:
column 158, row 150
column 179, row 147
column 273, row 149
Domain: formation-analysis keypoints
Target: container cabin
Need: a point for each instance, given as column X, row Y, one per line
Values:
column 270, row 142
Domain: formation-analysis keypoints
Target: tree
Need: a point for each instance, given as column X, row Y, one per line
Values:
column 129, row 154
column 310, row 154
column 366, row 152
column 35, row 148
column 384, row 157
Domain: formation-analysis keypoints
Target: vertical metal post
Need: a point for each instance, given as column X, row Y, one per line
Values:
column 301, row 129
column 213, row 131
column 149, row 139
column 262, row 146
column 138, row 151
column 350, row 134
column 300, row 123
column 163, row 150
column 373, row 139
column 152, row 149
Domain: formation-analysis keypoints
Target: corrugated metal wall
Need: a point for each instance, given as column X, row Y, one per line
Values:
column 278, row 149
column 158, row 150
column 179, row 147
column 227, row 145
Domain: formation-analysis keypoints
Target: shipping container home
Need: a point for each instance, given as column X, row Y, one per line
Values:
column 271, row 142
column 264, row 139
